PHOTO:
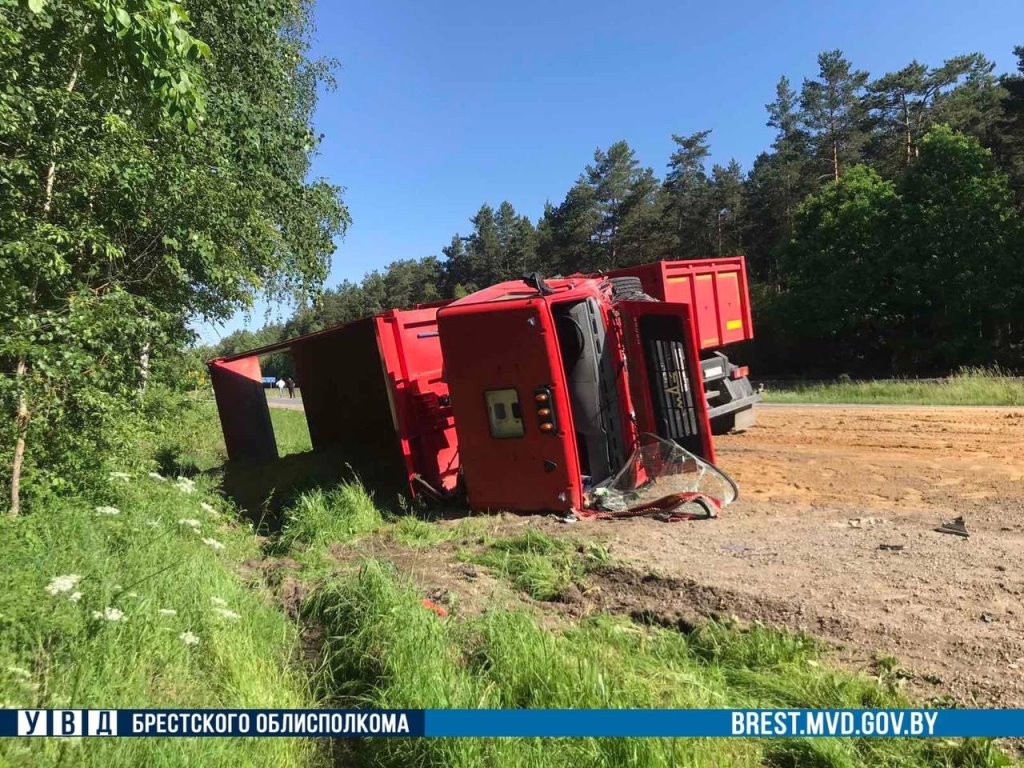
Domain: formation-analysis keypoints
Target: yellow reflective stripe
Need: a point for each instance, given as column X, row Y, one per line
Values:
column 734, row 325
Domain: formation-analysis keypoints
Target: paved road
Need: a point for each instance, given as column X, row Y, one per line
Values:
column 286, row 403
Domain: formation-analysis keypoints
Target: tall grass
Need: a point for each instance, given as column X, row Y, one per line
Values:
column 158, row 618
column 541, row 565
column 384, row 649
column 970, row 386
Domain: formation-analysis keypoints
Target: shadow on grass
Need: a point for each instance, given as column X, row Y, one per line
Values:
column 264, row 490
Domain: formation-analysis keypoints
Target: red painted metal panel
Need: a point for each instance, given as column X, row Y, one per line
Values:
column 717, row 289
column 497, row 349
column 411, row 356
column 633, row 313
column 242, row 405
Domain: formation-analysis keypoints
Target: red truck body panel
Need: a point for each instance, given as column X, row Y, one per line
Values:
column 417, row 399
column 372, row 393
column 242, row 407
column 716, row 289
column 681, row 390
column 512, row 351
column 501, row 348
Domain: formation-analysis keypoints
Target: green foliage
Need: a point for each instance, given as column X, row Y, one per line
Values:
column 166, row 578
column 916, row 276
column 154, row 170
column 971, row 386
column 412, row 532
column 324, row 517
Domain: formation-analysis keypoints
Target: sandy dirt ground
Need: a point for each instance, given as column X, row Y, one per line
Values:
column 834, row 534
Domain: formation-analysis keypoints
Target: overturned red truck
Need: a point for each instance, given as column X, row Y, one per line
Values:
column 529, row 395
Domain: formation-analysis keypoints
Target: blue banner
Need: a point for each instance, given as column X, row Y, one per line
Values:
column 462, row 723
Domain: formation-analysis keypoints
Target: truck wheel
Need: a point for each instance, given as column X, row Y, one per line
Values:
column 723, row 425
column 737, row 422
column 627, row 289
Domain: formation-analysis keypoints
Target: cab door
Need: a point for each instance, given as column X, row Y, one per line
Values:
column 517, row 445
column 665, row 378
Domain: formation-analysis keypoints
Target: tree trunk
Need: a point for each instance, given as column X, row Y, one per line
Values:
column 22, row 416
column 21, row 430
column 910, row 137
column 144, row 368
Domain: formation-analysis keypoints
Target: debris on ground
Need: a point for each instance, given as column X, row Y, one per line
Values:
column 988, row 618
column 892, row 547
column 956, row 527
column 430, row 605
column 863, row 522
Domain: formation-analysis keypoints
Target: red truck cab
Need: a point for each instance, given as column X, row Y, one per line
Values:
column 553, row 383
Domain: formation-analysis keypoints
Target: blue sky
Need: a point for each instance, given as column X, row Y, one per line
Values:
column 442, row 106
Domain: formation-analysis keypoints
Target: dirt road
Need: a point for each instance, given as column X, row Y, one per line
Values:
column 834, row 534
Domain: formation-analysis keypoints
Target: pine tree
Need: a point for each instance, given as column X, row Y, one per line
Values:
column 833, row 110
column 686, row 198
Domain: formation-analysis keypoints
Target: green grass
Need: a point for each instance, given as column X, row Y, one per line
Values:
column 323, row 517
column 290, row 431
column 187, row 434
column 540, row 565
column 172, row 582
column 384, row 649
column 410, row 531
column 976, row 386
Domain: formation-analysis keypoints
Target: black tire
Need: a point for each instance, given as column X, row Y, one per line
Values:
column 625, row 287
column 724, row 424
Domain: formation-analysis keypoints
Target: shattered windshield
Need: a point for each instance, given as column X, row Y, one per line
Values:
column 659, row 468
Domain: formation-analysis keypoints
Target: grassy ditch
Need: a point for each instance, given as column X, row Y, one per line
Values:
column 384, row 648
column 132, row 599
column 973, row 386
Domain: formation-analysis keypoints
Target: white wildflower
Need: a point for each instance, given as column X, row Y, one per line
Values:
column 189, row 638
column 167, row 612
column 220, row 602
column 190, row 522
column 213, row 543
column 132, row 594
column 109, row 614
column 208, row 508
column 74, row 597
column 224, row 613
column 60, row 584
column 120, row 476
column 157, row 476
column 153, row 523
column 185, row 484
column 20, row 672
column 108, row 511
